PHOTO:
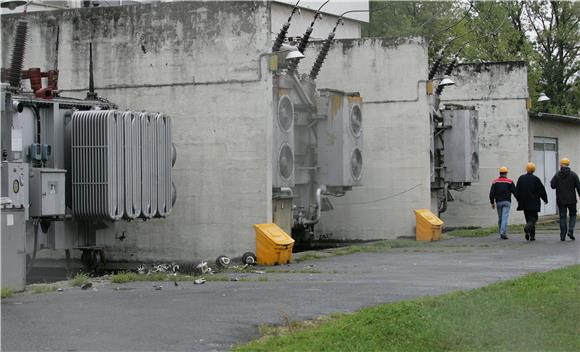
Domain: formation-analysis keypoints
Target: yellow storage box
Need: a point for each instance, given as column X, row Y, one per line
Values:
column 429, row 226
column 273, row 245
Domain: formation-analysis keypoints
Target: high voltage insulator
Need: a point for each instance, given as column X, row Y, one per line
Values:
column 18, row 54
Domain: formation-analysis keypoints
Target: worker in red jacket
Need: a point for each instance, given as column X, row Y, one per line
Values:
column 500, row 196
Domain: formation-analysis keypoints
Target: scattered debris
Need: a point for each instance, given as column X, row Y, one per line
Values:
column 141, row 270
column 234, row 278
column 199, row 281
column 259, row 272
column 60, row 289
column 222, row 262
column 86, row 286
column 158, row 288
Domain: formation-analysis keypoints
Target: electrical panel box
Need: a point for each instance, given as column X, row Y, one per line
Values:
column 13, row 226
column 15, row 183
column 47, row 192
column 461, row 142
column 340, row 139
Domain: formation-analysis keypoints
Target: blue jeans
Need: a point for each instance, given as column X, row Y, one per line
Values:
column 571, row 208
column 503, row 214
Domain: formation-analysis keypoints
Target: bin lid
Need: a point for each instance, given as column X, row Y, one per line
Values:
column 274, row 233
column 428, row 216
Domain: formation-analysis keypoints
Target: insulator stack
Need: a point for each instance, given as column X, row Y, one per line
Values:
column 321, row 56
column 447, row 73
column 280, row 38
column 435, row 67
column 301, row 47
column 18, row 54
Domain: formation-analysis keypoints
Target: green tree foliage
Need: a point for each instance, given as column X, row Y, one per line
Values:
column 544, row 34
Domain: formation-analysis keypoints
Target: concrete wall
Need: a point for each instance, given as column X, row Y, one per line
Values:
column 301, row 21
column 198, row 62
column 390, row 76
column 567, row 133
column 499, row 92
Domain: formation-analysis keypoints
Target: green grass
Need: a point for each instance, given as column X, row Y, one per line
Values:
column 43, row 288
column 483, row 232
column 125, row 277
column 80, row 279
column 374, row 247
column 7, row 293
column 539, row 312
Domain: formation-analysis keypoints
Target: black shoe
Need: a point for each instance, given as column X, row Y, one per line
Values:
column 503, row 237
column 532, row 238
column 571, row 236
column 527, row 233
column 562, row 238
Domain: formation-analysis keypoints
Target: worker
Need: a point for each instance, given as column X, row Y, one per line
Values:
column 500, row 196
column 530, row 190
column 566, row 184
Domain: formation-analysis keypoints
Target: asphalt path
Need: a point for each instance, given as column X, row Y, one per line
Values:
column 217, row 315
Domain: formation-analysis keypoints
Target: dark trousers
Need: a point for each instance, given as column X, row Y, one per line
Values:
column 531, row 219
column 566, row 227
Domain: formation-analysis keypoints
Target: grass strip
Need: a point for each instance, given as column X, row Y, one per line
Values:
column 538, row 312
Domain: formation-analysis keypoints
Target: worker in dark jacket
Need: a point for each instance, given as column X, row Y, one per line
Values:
column 529, row 190
column 500, row 196
column 566, row 184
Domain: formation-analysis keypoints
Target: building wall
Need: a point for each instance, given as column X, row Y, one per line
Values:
column 200, row 63
column 499, row 92
column 302, row 20
column 390, row 76
column 567, row 133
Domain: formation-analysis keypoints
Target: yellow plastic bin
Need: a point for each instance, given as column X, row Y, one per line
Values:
column 429, row 226
column 273, row 245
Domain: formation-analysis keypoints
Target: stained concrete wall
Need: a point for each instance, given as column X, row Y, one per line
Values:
column 390, row 76
column 200, row 63
column 499, row 92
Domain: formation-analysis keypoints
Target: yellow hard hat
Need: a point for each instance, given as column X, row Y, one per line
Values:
column 565, row 161
column 531, row 167
column 503, row 170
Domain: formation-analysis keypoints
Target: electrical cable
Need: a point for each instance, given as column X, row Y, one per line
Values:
column 456, row 23
column 384, row 198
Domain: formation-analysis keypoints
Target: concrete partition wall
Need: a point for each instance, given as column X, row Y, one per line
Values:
column 390, row 76
column 202, row 64
column 499, row 92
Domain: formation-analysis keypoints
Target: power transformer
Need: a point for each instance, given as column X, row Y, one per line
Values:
column 283, row 163
column 340, row 139
column 461, row 141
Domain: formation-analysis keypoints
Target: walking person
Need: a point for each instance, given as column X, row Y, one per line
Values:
column 566, row 184
column 530, row 190
column 500, row 196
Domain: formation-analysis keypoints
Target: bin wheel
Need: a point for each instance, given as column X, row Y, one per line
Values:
column 249, row 258
column 222, row 261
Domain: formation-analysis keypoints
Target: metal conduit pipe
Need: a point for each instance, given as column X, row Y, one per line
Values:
column 316, row 219
column 288, row 191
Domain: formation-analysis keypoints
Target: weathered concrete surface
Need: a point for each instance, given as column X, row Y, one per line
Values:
column 200, row 63
column 499, row 92
column 218, row 314
column 390, row 76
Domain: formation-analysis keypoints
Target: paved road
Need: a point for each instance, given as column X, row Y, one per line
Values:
column 217, row 315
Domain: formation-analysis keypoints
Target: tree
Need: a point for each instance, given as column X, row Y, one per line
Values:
column 544, row 34
column 555, row 26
